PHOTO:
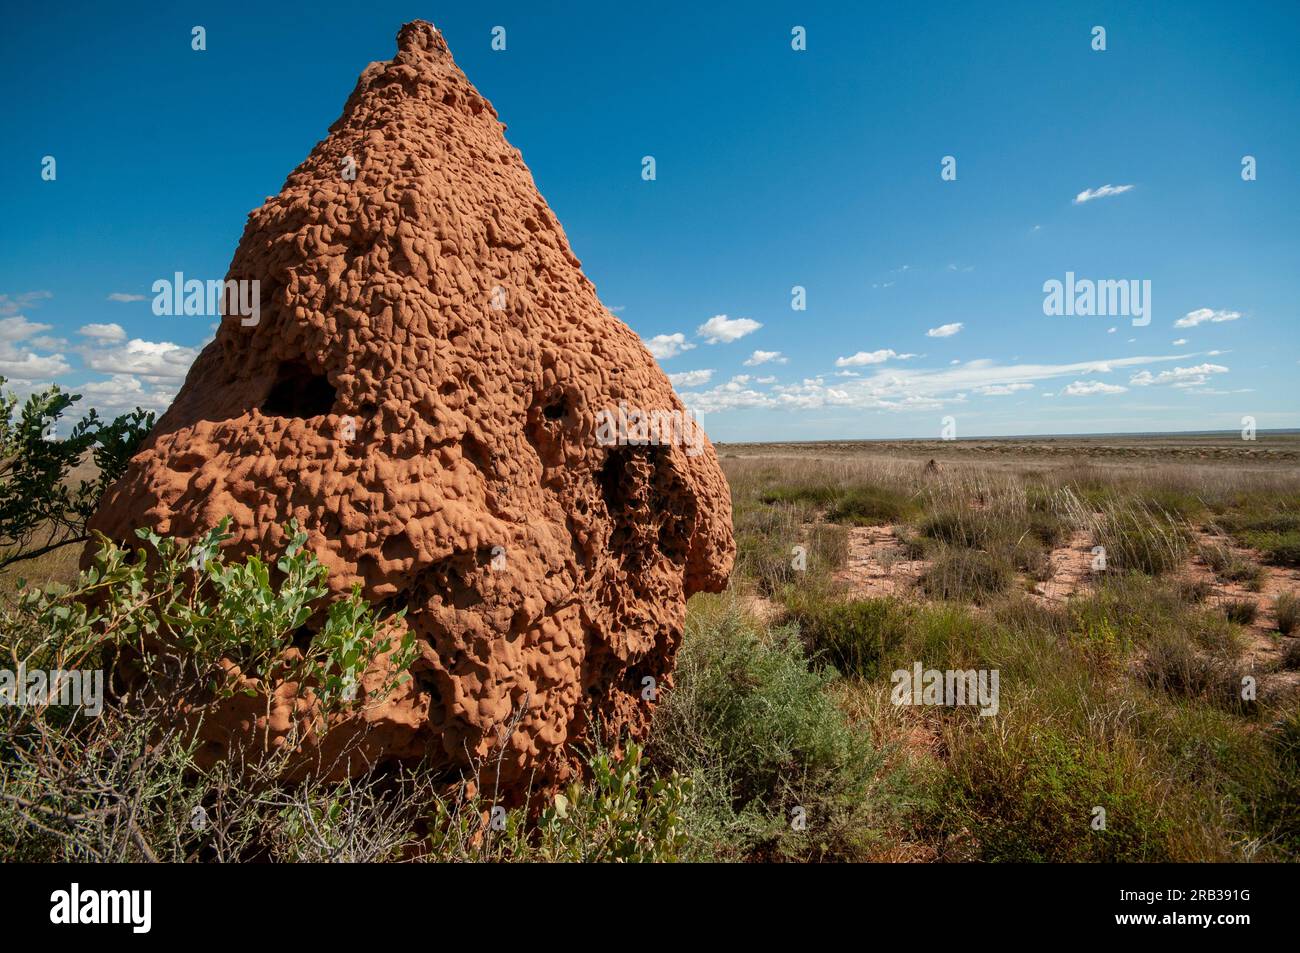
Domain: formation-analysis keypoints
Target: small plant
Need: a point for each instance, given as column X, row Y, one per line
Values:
column 1287, row 609
column 1230, row 567
column 852, row 635
column 182, row 630
column 1193, row 591
column 1176, row 666
column 868, row 506
column 1291, row 655
column 1138, row 538
column 967, row 575
column 1241, row 611
column 617, row 816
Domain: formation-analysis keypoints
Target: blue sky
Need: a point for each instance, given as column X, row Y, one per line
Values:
column 775, row 168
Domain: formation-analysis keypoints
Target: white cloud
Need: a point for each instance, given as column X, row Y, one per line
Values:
column 721, row 329
column 108, row 333
column 124, row 392
column 1180, row 342
column 19, row 328
column 30, row 366
column 862, row 358
column 23, row 363
column 1105, row 191
column 691, row 378
column 1088, row 388
column 155, row 361
column 1111, row 330
column 1192, row 318
column 997, row 390
column 664, row 346
column 124, row 297
column 12, row 304
column 1179, row 376
column 765, row 357
column 945, row 330
column 895, row 388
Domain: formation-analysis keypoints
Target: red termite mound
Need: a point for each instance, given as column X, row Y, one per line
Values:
column 423, row 392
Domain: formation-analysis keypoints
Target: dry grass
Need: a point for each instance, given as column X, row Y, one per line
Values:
column 1126, row 694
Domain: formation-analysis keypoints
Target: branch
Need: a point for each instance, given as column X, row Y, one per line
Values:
column 18, row 557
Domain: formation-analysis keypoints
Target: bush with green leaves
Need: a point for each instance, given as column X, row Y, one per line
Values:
column 163, row 622
column 761, row 736
column 620, row 813
column 39, row 510
column 853, row 635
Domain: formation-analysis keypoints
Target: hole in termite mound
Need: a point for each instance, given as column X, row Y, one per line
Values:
column 300, row 392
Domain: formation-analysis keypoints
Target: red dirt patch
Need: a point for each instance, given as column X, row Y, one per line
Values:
column 878, row 564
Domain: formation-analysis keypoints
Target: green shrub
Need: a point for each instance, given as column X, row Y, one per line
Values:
column 1230, row 567
column 167, row 622
column 853, row 635
column 1282, row 549
column 761, row 736
column 1268, row 522
column 1030, row 792
column 39, row 510
column 1241, row 611
column 869, row 506
column 1287, row 609
column 619, row 814
column 854, row 505
column 966, row 575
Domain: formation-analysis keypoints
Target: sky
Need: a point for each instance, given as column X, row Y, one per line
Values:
column 920, row 171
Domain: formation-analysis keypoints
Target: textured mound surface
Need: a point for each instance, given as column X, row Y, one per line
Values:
column 423, row 394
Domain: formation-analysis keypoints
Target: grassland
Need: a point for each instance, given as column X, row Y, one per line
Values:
column 1155, row 688
column 1139, row 607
